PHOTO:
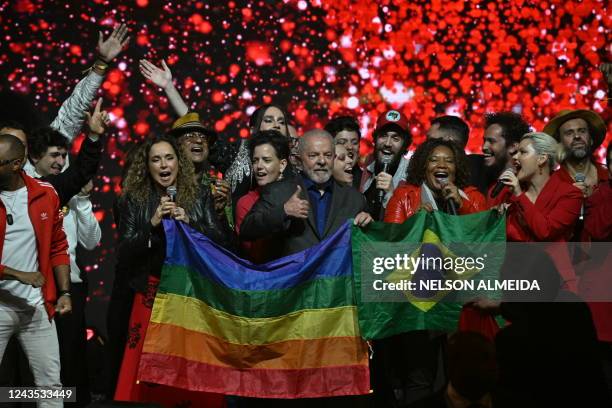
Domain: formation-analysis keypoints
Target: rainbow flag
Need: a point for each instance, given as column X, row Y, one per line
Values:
column 286, row 329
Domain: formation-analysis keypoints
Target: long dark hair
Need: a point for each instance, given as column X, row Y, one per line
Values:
column 418, row 162
column 257, row 117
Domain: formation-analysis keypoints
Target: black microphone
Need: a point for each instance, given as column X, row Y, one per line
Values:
column 385, row 162
column 580, row 178
column 171, row 191
column 450, row 203
column 499, row 186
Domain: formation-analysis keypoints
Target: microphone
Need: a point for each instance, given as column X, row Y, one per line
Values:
column 499, row 186
column 450, row 203
column 385, row 162
column 171, row 191
column 580, row 178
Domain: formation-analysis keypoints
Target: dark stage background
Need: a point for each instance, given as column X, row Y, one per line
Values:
column 318, row 58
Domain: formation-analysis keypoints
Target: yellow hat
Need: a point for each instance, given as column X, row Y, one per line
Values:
column 595, row 121
column 190, row 122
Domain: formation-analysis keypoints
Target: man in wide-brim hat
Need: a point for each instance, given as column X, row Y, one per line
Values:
column 580, row 132
column 196, row 140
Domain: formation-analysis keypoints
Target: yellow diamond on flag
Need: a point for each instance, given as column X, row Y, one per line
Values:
column 431, row 247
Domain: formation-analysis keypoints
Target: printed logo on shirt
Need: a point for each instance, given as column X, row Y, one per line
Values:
column 43, row 216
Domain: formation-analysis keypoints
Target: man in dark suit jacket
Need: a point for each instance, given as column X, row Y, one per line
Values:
column 306, row 209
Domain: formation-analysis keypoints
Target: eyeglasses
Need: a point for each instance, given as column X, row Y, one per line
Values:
column 191, row 137
column 7, row 161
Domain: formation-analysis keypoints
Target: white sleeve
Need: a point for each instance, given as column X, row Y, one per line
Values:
column 88, row 228
column 71, row 114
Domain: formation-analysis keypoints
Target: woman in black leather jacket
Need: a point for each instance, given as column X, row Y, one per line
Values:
column 158, row 167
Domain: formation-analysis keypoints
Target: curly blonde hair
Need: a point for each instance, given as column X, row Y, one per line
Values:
column 139, row 185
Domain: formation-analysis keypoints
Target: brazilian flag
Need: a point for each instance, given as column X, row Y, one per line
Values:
column 417, row 275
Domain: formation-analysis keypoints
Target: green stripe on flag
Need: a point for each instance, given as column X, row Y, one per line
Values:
column 316, row 294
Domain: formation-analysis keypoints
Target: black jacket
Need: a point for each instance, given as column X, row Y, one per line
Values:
column 268, row 219
column 70, row 182
column 142, row 248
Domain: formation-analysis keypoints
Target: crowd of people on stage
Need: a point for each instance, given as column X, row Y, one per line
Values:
column 281, row 193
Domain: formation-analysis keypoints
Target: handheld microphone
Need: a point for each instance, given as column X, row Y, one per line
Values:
column 171, row 191
column 580, row 178
column 450, row 203
column 385, row 162
column 499, row 186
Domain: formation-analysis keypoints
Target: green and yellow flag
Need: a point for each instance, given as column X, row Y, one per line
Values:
column 417, row 275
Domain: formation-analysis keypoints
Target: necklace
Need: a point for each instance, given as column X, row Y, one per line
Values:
column 9, row 216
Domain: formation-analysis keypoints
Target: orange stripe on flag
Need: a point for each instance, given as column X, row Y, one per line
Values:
column 293, row 354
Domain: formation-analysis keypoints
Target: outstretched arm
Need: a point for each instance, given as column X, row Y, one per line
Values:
column 163, row 79
column 70, row 182
column 71, row 114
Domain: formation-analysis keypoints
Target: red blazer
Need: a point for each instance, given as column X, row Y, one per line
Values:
column 406, row 201
column 598, row 214
column 596, row 280
column 47, row 221
column 550, row 219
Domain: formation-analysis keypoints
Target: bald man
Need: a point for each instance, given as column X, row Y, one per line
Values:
column 303, row 211
column 34, row 266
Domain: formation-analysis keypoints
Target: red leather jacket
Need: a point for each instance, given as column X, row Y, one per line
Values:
column 47, row 221
column 406, row 201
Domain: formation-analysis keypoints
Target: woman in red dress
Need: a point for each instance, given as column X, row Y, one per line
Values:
column 159, row 166
column 542, row 207
column 437, row 175
column 269, row 151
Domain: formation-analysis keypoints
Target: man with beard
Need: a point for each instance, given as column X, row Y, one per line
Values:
column 580, row 132
column 308, row 208
column 503, row 132
column 197, row 140
column 387, row 167
column 34, row 266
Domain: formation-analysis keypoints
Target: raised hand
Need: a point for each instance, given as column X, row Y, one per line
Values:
column 159, row 77
column 384, row 181
column 509, row 178
column 221, row 192
column 99, row 120
column 112, row 46
column 296, row 207
column 451, row 191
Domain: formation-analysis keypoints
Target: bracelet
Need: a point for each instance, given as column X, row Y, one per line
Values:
column 102, row 59
column 63, row 293
column 100, row 64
